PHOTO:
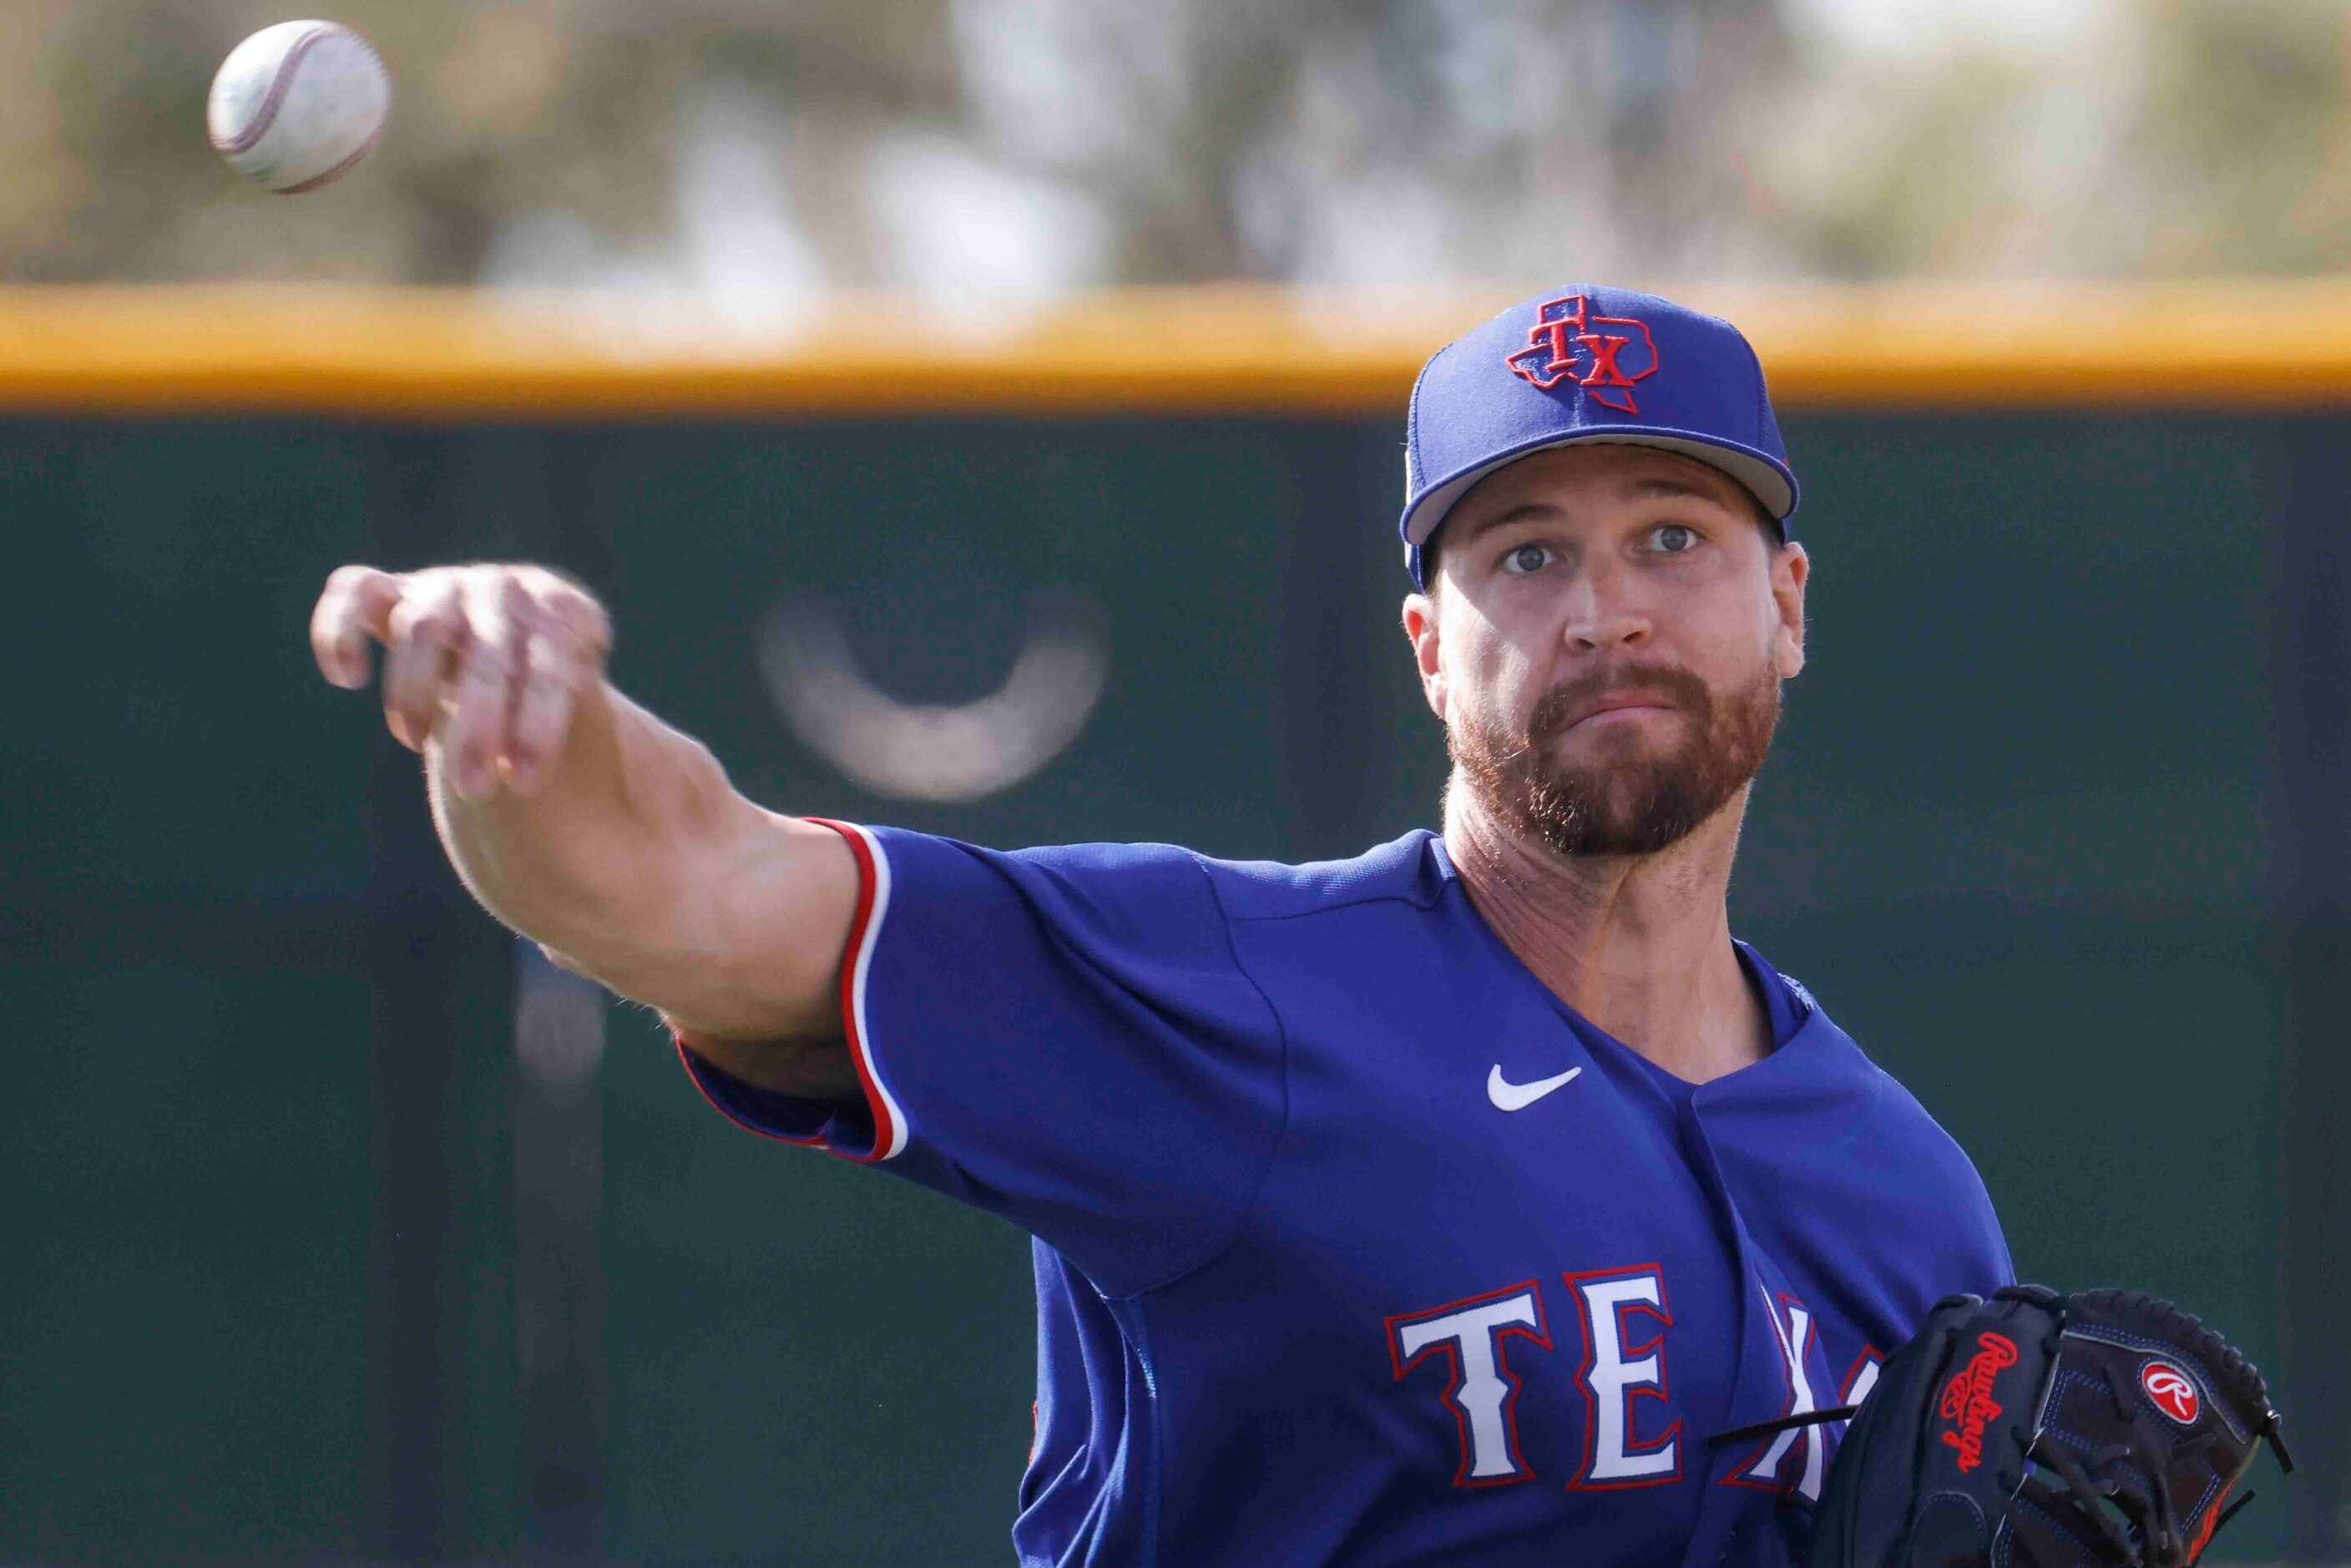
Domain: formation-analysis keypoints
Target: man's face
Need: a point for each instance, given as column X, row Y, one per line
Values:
column 1605, row 640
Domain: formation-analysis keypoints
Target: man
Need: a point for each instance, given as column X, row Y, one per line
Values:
column 1472, row 1201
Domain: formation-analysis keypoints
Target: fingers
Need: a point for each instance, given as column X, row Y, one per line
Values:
column 474, row 735
column 425, row 635
column 355, row 606
column 558, row 663
column 574, row 608
column 490, row 659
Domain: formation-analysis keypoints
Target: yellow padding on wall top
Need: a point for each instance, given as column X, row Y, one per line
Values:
column 445, row 353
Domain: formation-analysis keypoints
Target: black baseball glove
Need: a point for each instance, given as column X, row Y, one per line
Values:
column 2036, row 1430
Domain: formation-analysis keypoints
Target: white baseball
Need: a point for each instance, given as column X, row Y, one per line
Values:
column 298, row 104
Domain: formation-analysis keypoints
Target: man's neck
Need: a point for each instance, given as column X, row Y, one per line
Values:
column 1640, row 945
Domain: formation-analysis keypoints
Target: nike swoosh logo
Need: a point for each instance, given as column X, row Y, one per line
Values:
column 1508, row 1096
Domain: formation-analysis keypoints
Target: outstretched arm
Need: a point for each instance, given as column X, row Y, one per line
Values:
column 586, row 824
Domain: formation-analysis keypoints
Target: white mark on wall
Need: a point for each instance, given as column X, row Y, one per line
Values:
column 954, row 753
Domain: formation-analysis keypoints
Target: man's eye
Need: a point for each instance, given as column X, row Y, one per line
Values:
column 1526, row 558
column 1674, row 539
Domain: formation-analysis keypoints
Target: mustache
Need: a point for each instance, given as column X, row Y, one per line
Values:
column 1559, row 706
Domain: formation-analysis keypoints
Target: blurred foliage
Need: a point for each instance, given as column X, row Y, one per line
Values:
column 2166, row 137
column 754, row 152
column 2245, row 115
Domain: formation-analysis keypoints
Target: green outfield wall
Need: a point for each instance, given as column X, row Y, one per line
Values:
column 2047, row 829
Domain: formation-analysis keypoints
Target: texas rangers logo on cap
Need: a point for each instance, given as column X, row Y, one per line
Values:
column 1605, row 355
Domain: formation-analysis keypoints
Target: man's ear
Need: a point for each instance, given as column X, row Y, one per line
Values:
column 1420, row 628
column 1791, row 571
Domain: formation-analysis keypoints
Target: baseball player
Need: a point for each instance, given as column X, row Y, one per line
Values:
column 1476, row 1200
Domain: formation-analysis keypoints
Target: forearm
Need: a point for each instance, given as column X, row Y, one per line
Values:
column 633, row 863
column 585, row 822
column 583, row 864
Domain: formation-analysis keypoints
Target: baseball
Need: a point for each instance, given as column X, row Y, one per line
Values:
column 298, row 104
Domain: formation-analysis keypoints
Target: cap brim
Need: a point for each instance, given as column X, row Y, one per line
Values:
column 1770, row 484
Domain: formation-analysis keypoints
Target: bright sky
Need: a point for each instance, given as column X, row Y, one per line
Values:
column 1923, row 26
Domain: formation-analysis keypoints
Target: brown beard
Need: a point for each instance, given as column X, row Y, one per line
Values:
column 1635, row 805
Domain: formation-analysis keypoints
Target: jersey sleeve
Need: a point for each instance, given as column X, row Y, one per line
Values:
column 1062, row 1038
column 1983, row 1246
column 1933, row 1210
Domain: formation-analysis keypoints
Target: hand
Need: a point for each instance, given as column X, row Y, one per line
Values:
column 491, row 662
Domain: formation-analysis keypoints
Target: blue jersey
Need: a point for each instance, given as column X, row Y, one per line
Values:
column 1353, row 1243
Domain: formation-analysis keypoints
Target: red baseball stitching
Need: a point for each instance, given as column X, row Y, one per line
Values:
column 339, row 169
column 275, row 98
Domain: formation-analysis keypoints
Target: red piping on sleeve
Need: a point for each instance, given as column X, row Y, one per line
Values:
column 872, row 901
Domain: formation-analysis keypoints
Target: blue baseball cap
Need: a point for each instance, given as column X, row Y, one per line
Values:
column 1584, row 365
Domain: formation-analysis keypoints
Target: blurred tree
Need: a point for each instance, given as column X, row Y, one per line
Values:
column 719, row 147
column 2246, row 127
column 753, row 154
column 2161, row 137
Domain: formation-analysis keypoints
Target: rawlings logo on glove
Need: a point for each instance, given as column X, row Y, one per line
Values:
column 2173, row 1391
column 2100, row 1430
column 1967, row 1398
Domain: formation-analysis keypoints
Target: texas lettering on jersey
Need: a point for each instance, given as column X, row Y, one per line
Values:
column 1633, row 1431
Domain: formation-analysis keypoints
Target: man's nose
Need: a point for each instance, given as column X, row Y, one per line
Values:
column 1600, row 617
